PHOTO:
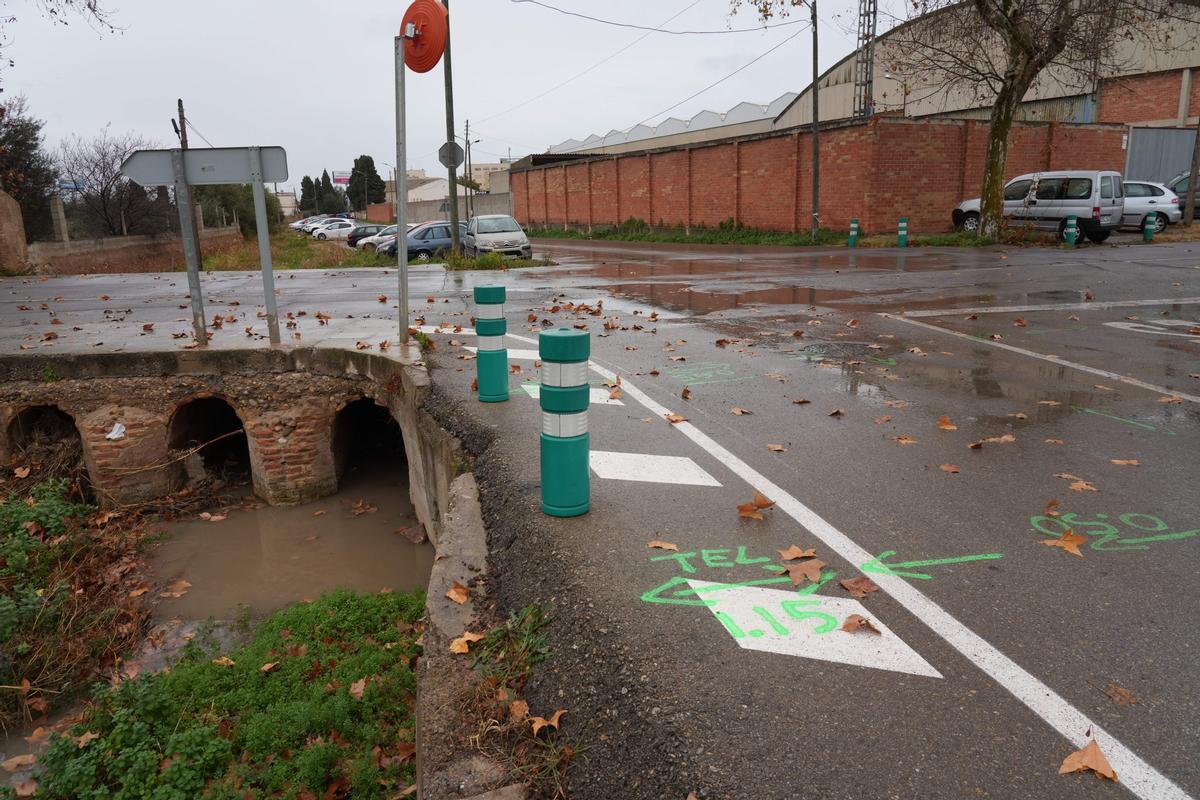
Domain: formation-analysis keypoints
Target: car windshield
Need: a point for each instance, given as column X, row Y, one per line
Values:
column 498, row 225
column 390, row 229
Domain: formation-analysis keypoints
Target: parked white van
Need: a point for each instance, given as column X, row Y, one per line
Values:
column 1044, row 200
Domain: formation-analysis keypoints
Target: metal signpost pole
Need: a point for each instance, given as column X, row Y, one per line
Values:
column 191, row 250
column 264, row 243
column 401, row 190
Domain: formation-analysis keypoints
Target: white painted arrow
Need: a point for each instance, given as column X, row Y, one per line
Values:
column 809, row 626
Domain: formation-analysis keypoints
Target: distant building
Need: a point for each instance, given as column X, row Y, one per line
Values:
column 288, row 203
column 432, row 189
column 416, row 179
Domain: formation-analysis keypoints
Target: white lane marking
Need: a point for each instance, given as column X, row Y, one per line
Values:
column 513, row 355
column 776, row 621
column 952, row 312
column 648, row 468
column 598, row 396
column 1051, row 359
column 1137, row 775
column 1152, row 329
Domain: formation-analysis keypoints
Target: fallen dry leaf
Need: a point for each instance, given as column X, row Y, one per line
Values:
column 518, row 710
column 139, row 591
column 1069, row 541
column 1049, row 510
column 1019, row 322
column 1007, row 438
column 270, row 666
column 1120, row 695
column 463, row 643
column 25, row 788
column 777, row 448
column 458, row 593
column 224, row 661
column 883, row 419
column 1055, row 441
column 320, row 512
column 838, row 412
column 86, row 737
column 801, row 401
column 904, row 440
column 1126, row 462
column 857, row 622
column 361, row 507
column 859, row 587
column 176, row 588
column 19, row 762
column 358, row 688
column 686, row 394
column 540, row 722
column 950, row 468
column 1049, row 403
column 945, row 424
column 1087, row 758
column 739, row 411
column 661, row 545
column 674, row 418
column 749, row 511
column 776, row 376
column 21, row 472
column 615, row 393
column 799, row 571
column 793, row 552
column 1170, row 399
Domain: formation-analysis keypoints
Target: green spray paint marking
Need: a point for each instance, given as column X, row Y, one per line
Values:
column 877, row 565
column 1143, row 425
column 1106, row 536
column 680, row 597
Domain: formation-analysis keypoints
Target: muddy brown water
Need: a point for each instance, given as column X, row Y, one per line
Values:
column 270, row 557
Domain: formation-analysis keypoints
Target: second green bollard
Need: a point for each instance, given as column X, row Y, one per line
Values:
column 1148, row 226
column 853, row 233
column 902, row 234
column 491, row 359
column 1071, row 231
column 565, row 396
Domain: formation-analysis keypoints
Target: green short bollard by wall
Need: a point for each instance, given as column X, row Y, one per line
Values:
column 491, row 359
column 564, row 398
column 902, row 233
column 853, row 233
column 1071, row 231
column 1148, row 226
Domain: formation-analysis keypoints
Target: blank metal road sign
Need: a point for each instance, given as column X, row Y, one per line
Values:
column 205, row 166
column 450, row 151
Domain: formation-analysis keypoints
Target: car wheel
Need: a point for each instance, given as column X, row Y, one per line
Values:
column 1160, row 223
column 322, row 236
column 422, row 255
column 1098, row 236
column 970, row 222
column 370, row 246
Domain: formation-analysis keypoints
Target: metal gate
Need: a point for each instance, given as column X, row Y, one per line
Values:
column 1158, row 154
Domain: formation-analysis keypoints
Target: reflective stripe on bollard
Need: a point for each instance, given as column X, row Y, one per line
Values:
column 564, row 397
column 491, row 359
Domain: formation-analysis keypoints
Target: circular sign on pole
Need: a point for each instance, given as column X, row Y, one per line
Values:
column 431, row 28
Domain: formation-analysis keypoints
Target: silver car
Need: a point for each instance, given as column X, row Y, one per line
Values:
column 1044, row 201
column 1142, row 197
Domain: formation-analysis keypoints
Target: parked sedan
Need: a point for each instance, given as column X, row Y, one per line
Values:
column 1142, row 197
column 496, row 233
column 337, row 229
column 375, row 240
column 362, row 232
column 300, row 223
column 1179, row 185
column 426, row 241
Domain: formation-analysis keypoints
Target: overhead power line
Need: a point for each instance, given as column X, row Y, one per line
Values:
column 599, row 63
column 192, row 127
column 750, row 63
column 657, row 30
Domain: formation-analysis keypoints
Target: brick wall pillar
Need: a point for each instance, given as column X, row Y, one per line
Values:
column 118, row 467
column 291, row 453
column 14, row 254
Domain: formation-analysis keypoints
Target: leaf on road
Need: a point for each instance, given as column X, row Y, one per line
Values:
column 857, row 622
column 463, row 643
column 895, row 403
column 1019, row 322
column 883, row 419
column 1102, row 387
column 1120, row 695
column 1087, row 758
column 686, row 394
column 540, row 722
column 459, row 593
column 674, row 418
column 1170, row 399
column 1049, row 403
column 793, row 552
column 1019, row 415
column 945, row 424
column 1050, row 509
column 661, row 545
column 777, row 448
column 777, row 376
column 760, row 500
column 916, row 351
column 950, row 468
column 753, row 509
column 800, row 571
column 1069, row 541
column 739, row 411
column 518, row 710
column 1007, row 438
column 1055, row 441
column 802, row 401
column 838, row 412
column 904, row 440
column 859, row 587
column 361, row 507
column 1126, row 462
column 224, row 661
column 615, row 394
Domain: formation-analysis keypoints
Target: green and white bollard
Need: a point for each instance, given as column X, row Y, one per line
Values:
column 1149, row 225
column 491, row 360
column 902, row 234
column 853, row 233
column 564, row 398
column 1071, row 231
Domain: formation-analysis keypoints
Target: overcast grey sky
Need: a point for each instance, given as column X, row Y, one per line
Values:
column 316, row 77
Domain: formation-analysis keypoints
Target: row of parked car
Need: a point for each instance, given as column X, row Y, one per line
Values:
column 488, row 233
column 1100, row 200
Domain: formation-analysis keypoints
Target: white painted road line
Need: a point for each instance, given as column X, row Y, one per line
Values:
column 776, row 621
column 1091, row 306
column 1136, row 775
column 647, row 468
column 513, row 355
column 1191, row 398
column 598, row 396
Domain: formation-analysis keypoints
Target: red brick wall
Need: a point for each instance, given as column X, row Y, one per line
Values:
column 1140, row 98
column 877, row 172
column 1194, row 96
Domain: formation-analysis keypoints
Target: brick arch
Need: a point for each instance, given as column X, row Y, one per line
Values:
column 214, row 430
column 34, row 418
column 202, row 395
column 344, row 426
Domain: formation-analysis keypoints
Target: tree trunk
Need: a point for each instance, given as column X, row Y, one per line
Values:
column 991, row 212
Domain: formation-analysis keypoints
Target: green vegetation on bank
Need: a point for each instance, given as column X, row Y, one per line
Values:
column 456, row 263
column 319, row 703
column 636, row 230
column 290, row 251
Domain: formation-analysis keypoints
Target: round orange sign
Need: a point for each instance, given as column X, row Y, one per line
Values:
column 430, row 30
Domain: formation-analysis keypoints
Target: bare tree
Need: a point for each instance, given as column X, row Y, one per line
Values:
column 58, row 12
column 994, row 51
column 113, row 201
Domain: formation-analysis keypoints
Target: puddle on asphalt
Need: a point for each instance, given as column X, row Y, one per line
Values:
column 270, row 557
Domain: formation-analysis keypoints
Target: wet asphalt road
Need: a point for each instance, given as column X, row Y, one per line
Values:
column 993, row 669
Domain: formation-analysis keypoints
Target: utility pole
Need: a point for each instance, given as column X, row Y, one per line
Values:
column 816, row 145
column 182, row 126
column 191, row 215
column 1189, row 202
column 455, row 244
column 470, row 173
